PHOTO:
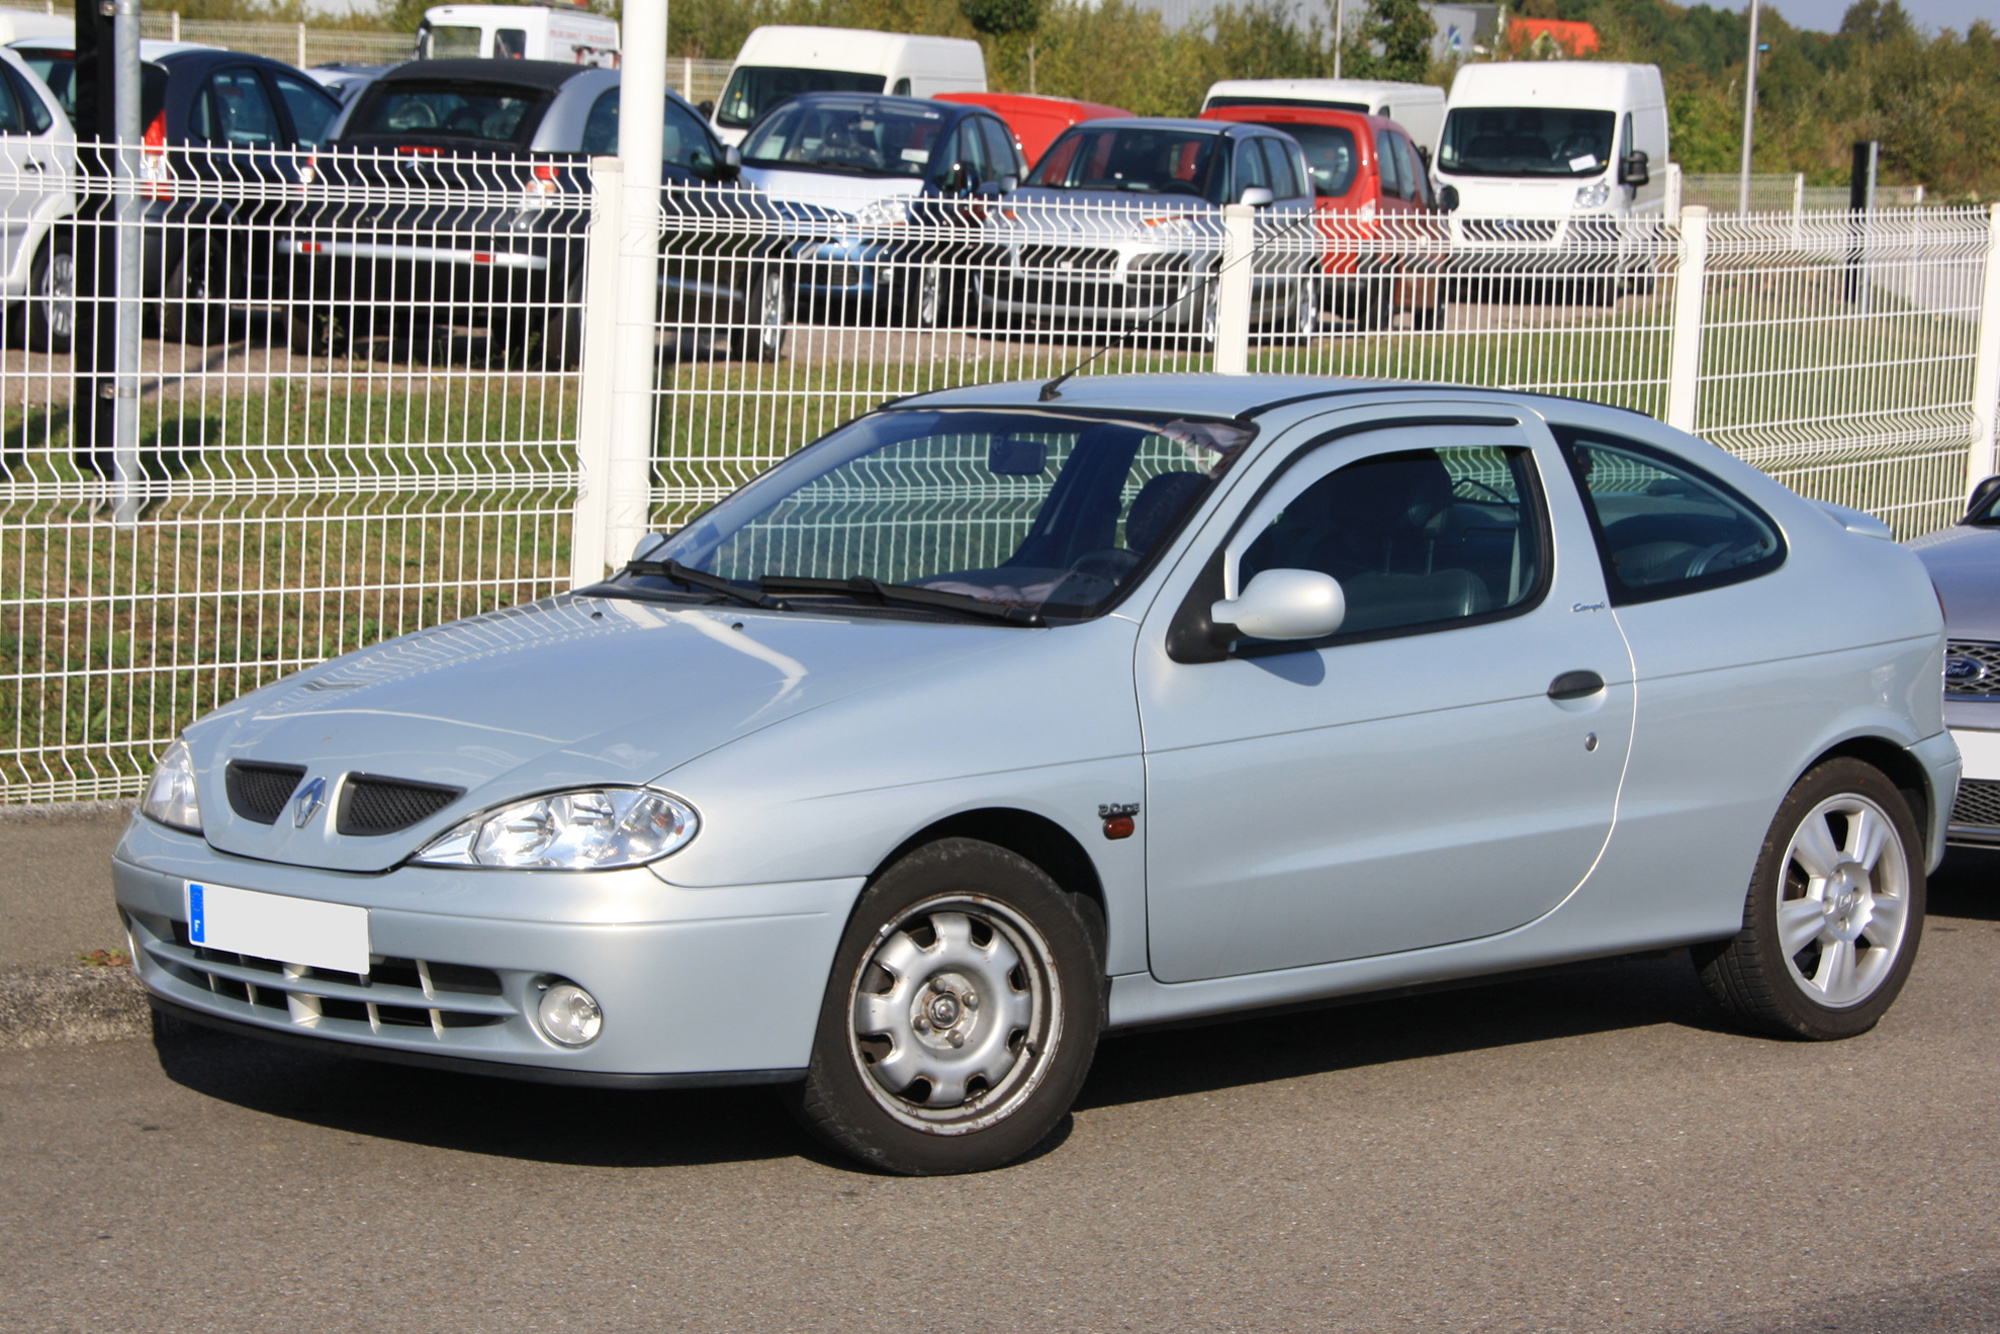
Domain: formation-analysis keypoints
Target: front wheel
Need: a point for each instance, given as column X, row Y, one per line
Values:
column 961, row 1016
column 1834, row 913
column 52, row 298
column 766, row 316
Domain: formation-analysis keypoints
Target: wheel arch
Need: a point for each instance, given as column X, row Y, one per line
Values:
column 1895, row 763
column 1053, row 849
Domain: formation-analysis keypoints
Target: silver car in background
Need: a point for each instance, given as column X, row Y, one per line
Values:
column 1008, row 714
column 1964, row 564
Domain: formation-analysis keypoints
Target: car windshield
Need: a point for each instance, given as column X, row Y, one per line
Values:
column 1142, row 159
column 1045, row 511
column 1330, row 153
column 1526, row 141
column 444, row 110
column 863, row 137
column 755, row 89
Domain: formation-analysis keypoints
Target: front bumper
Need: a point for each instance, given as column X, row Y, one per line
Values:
column 696, row 986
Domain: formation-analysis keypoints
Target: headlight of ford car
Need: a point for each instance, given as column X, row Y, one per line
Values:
column 596, row 829
column 170, row 796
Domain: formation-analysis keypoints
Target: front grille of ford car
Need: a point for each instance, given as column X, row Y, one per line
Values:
column 1975, row 817
column 259, row 791
column 372, row 805
column 1971, row 670
column 398, row 997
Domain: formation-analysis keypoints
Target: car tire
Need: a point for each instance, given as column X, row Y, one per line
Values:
column 1303, row 321
column 191, row 312
column 961, row 1015
column 1428, row 319
column 1834, row 912
column 52, row 298
column 315, row 331
column 766, row 317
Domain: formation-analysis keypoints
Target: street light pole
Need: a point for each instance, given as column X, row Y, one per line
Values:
column 1749, row 114
column 1339, row 23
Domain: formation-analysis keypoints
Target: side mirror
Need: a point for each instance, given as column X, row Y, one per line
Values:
column 706, row 108
column 1448, row 198
column 1009, row 184
column 1982, row 495
column 1257, row 196
column 1632, row 169
column 955, row 178
column 732, row 163
column 1283, row 604
column 989, row 190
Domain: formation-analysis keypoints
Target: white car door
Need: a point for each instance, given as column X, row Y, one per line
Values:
column 1444, row 767
column 37, row 150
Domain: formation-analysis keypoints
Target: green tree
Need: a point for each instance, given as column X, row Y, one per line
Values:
column 1000, row 19
column 1394, row 42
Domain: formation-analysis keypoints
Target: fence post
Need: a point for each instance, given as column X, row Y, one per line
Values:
column 302, row 48
column 1982, row 464
column 589, row 549
column 174, row 27
column 1232, row 298
column 1690, row 286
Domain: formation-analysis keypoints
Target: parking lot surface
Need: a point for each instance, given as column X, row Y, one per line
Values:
column 1583, row 1152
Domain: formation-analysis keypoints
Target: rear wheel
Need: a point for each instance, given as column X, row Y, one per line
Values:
column 315, row 330
column 196, row 309
column 766, row 316
column 961, row 1016
column 1834, row 912
column 52, row 298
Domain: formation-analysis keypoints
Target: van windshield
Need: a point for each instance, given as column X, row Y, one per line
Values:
column 1526, row 141
column 755, row 89
column 449, row 43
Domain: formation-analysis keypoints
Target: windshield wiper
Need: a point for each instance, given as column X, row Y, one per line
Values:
column 865, row 589
column 710, row 583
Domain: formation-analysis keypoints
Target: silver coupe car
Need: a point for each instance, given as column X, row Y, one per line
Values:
column 1004, row 717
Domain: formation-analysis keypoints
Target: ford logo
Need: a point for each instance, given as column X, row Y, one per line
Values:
column 1964, row 671
column 307, row 803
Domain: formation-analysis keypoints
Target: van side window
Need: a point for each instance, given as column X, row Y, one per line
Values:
column 902, row 88
column 1416, row 181
column 1664, row 528
column 510, row 44
column 1388, row 166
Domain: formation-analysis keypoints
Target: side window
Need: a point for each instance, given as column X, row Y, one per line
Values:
column 10, row 110
column 1417, row 174
column 1249, row 168
column 311, row 110
column 1395, row 181
column 1000, row 149
column 600, row 129
column 1278, row 164
column 510, row 44
column 902, row 88
column 243, row 112
column 684, row 142
column 1663, row 527
column 1419, row 539
column 1625, row 140
column 34, row 112
column 965, row 147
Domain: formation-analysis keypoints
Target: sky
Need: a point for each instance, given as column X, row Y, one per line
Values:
column 1935, row 15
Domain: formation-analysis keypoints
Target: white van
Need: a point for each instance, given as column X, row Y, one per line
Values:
column 1417, row 107
column 1555, row 139
column 517, row 32
column 780, row 61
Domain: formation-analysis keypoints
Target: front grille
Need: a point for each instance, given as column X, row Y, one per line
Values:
column 1532, row 231
column 372, row 805
column 1971, row 670
column 1058, row 260
column 399, row 996
column 259, row 791
column 1978, row 805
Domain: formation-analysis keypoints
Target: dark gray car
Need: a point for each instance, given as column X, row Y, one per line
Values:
column 1964, row 564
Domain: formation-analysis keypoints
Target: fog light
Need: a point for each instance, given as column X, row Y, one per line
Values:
column 569, row 1014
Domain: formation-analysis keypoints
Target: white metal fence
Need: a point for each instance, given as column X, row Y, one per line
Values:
column 376, row 394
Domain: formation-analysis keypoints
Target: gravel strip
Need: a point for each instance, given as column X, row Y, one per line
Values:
column 62, row 1006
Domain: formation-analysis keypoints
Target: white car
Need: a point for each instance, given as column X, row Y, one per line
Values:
column 37, row 163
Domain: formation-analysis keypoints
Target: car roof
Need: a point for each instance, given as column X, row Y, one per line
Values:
column 1298, row 115
column 1207, row 395
column 914, row 104
column 550, row 74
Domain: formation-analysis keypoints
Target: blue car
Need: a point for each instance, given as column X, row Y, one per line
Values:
column 881, row 175
column 1006, row 716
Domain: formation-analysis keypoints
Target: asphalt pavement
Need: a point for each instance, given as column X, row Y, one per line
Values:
column 1593, row 1151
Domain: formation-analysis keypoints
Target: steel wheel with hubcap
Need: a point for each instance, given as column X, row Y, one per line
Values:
column 961, row 1015
column 767, row 313
column 52, row 298
column 1835, row 911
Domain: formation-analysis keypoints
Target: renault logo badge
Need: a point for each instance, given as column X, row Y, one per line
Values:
column 306, row 805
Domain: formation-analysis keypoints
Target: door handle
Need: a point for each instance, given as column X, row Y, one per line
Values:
column 1575, row 685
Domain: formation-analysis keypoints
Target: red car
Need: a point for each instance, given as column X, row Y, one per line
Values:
column 1371, row 195
column 1036, row 121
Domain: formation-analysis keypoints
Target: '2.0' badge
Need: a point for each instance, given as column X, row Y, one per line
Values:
column 306, row 805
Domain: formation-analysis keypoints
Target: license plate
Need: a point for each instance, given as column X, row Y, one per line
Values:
column 275, row 926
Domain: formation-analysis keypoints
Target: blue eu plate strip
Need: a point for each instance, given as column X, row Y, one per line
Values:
column 197, row 919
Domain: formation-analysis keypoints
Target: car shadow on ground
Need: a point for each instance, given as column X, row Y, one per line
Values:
column 536, row 1122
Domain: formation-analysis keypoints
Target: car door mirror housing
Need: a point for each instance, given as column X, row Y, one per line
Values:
column 1257, row 196
column 1981, row 494
column 706, row 107
column 1448, row 198
column 1632, row 169
column 1009, row 184
column 1283, row 604
column 731, row 165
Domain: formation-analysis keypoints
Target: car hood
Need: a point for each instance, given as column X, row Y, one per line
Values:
column 1964, row 563
column 565, row 692
column 845, row 194
column 1033, row 215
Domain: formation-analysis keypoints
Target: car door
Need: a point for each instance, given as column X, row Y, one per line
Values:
column 1445, row 766
column 25, row 158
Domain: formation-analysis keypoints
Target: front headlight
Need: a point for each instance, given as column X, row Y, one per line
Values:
column 596, row 829
column 170, row 796
column 883, row 213
column 1593, row 196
